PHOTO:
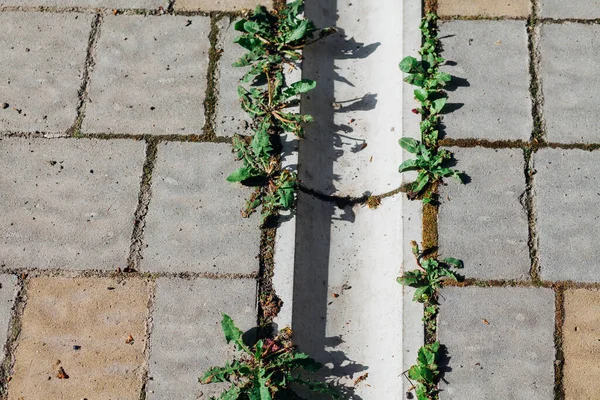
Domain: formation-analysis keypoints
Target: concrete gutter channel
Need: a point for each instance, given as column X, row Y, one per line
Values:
column 336, row 260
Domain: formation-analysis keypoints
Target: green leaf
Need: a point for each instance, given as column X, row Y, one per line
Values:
column 251, row 27
column 299, row 87
column 408, row 64
column 420, row 293
column 241, row 175
column 422, row 181
column 232, row 332
column 455, row 262
column 239, row 25
column 233, row 393
column 442, row 76
column 421, row 94
column 408, row 165
column 414, row 373
column 299, row 32
column 409, row 144
column 437, row 105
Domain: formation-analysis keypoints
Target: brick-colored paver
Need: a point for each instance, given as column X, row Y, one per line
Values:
column 484, row 222
column 500, row 343
column 150, row 76
column 582, row 9
column 489, row 97
column 43, row 57
column 219, row 5
column 194, row 222
column 488, row 8
column 230, row 117
column 581, row 345
column 81, row 325
column 68, row 203
column 570, row 83
column 119, row 4
column 187, row 338
column 8, row 291
column 568, row 212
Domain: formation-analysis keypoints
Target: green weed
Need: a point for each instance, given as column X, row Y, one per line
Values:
column 425, row 372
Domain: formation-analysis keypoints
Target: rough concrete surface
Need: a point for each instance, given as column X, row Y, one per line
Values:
column 488, row 8
column 581, row 345
column 120, row 4
column 570, row 82
column 484, row 222
column 558, row 9
column 499, row 343
column 81, row 325
column 187, row 338
column 568, row 213
column 8, row 290
column 219, row 5
column 149, row 75
column 43, row 57
column 489, row 95
column 194, row 222
column 230, row 118
column 68, row 203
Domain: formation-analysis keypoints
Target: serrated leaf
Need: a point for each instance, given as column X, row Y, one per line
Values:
column 233, row 393
column 409, row 144
column 231, row 332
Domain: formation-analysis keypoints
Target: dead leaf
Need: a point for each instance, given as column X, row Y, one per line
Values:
column 129, row 340
column 485, row 321
column 62, row 374
column 361, row 378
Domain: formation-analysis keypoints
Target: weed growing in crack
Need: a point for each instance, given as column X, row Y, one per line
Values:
column 265, row 370
column 272, row 40
column 425, row 372
column 430, row 83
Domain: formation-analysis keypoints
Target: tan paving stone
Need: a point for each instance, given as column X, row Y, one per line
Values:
column 97, row 314
column 581, row 344
column 219, row 5
column 490, row 8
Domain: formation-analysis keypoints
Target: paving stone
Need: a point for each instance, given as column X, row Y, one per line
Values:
column 500, row 343
column 68, row 203
column 488, row 8
column 43, row 60
column 187, row 338
column 120, row 4
column 569, row 82
column 568, row 213
column 219, row 5
column 581, row 330
column 484, row 222
column 230, row 117
column 8, row 291
column 84, row 323
column 489, row 97
column 581, row 9
column 150, row 75
column 194, row 222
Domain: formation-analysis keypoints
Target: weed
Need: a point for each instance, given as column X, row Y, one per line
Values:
column 425, row 372
column 265, row 370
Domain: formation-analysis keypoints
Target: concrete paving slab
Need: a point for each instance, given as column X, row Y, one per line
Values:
column 194, row 222
column 500, row 343
column 347, row 310
column 68, row 203
column 150, row 76
column 569, row 82
column 352, row 146
column 567, row 207
column 219, row 5
column 581, row 330
column 230, row 118
column 119, row 4
column 489, row 97
column 487, row 8
column 43, row 60
column 484, row 222
column 580, row 9
column 9, row 287
column 187, row 338
column 81, row 325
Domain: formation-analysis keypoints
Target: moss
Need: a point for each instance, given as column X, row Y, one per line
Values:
column 430, row 222
column 558, row 343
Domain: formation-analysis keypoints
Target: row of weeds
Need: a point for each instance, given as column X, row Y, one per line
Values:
column 430, row 164
column 268, row 365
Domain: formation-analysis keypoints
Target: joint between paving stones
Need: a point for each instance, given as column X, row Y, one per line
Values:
column 559, row 311
column 516, row 144
column 528, row 203
column 135, row 249
column 14, row 330
column 149, row 326
column 538, row 133
column 83, row 92
column 447, row 18
column 211, row 96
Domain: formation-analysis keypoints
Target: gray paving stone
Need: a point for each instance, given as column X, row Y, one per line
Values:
column 8, row 291
column 570, row 82
column 568, row 214
column 194, row 222
column 43, row 56
column 120, row 4
column 68, row 203
column 219, row 5
column 186, row 336
column 489, row 98
column 583, row 9
column 230, row 117
column 509, row 357
column 484, row 222
column 150, row 75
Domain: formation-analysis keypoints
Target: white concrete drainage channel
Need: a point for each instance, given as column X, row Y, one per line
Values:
column 336, row 264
